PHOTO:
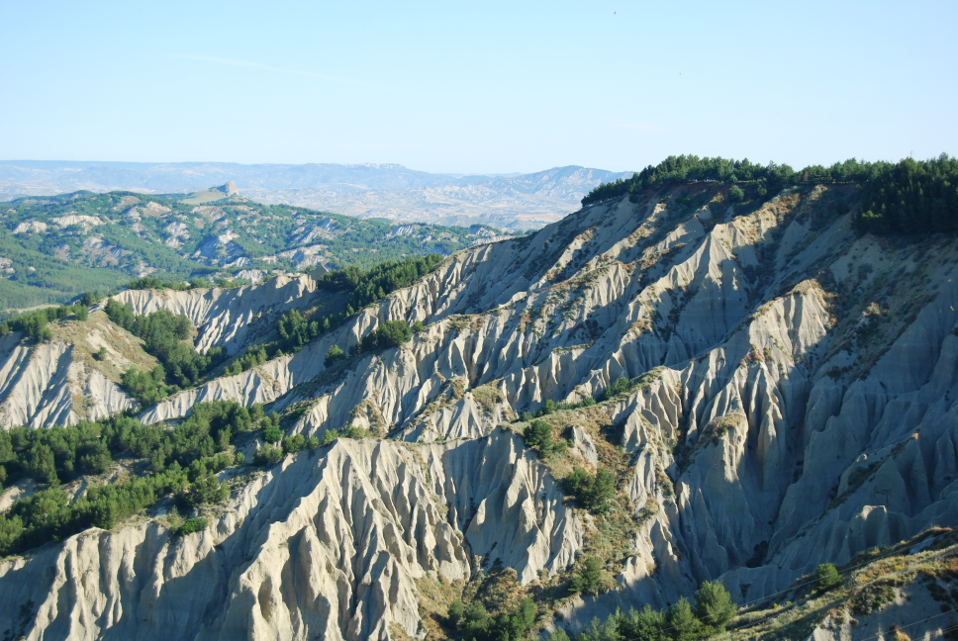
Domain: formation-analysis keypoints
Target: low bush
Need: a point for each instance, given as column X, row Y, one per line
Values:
column 268, row 455
column 589, row 578
column 189, row 526
column 538, row 435
column 591, row 492
column 334, row 354
column 827, row 576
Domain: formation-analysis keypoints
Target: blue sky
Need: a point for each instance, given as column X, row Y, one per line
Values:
column 480, row 86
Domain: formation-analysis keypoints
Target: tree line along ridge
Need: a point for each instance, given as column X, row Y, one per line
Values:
column 907, row 197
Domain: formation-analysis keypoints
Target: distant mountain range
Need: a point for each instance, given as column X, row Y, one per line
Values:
column 513, row 201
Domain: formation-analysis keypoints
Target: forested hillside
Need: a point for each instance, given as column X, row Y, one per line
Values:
column 908, row 197
column 52, row 249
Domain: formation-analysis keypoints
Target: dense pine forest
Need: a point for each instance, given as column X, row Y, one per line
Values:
column 907, row 197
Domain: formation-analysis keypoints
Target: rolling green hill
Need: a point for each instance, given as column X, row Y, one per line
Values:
column 52, row 249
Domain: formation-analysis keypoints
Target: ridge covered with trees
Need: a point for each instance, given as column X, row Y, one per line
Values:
column 34, row 324
column 358, row 288
column 167, row 337
column 907, row 197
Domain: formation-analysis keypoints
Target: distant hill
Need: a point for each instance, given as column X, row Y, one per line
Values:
column 53, row 248
column 520, row 201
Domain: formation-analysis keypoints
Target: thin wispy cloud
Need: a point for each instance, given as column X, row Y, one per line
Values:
column 248, row 64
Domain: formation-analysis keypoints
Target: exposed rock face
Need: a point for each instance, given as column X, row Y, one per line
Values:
column 327, row 546
column 44, row 385
column 47, row 384
column 798, row 402
column 228, row 318
column 913, row 605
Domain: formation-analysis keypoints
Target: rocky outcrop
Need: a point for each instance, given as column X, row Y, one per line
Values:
column 915, row 614
column 43, row 384
column 328, row 545
column 228, row 318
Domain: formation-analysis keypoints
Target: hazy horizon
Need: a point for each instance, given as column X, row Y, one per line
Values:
column 295, row 164
column 476, row 89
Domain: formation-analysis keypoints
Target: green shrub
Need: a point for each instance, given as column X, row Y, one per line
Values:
column 912, row 197
column 49, row 514
column 683, row 623
column 388, row 334
column 272, row 434
column 268, row 455
column 647, row 624
column 296, row 330
column 147, row 387
column 334, row 354
column 88, row 299
column 827, row 576
column 205, row 490
column 182, row 461
column 548, row 407
column 167, row 337
column 589, row 578
column 619, row 386
column 675, row 623
column 330, row 436
column 538, row 436
column 872, row 598
column 361, row 288
column 714, row 605
column 354, row 431
column 592, row 492
column 473, row 622
column 247, row 360
column 150, row 282
column 190, row 526
column 907, row 197
column 295, row 443
column 34, row 324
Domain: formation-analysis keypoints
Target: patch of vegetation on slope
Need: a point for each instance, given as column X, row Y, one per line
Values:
column 55, row 248
column 167, row 337
column 705, row 617
column 869, row 585
column 832, row 596
column 908, row 197
column 149, row 462
column 343, row 293
column 493, row 606
column 33, row 325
